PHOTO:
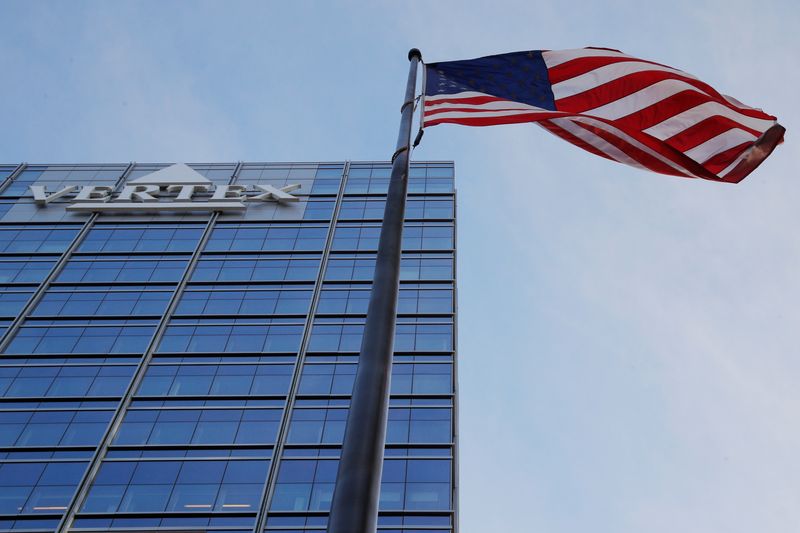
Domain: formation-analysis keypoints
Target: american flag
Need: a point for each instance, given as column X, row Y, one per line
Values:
column 629, row 110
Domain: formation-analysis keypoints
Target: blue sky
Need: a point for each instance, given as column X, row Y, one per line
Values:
column 628, row 341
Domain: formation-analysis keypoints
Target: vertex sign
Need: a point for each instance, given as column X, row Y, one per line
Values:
column 169, row 189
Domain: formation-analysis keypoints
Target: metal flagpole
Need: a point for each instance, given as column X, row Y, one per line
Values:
column 355, row 499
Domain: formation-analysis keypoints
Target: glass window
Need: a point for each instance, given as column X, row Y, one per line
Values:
column 185, row 486
column 277, row 237
column 416, row 236
column 312, row 178
column 408, row 337
column 368, row 179
column 257, row 268
column 12, row 302
column 52, row 428
column 411, row 484
column 422, row 378
column 205, row 380
column 128, row 337
column 317, row 426
column 67, row 380
column 56, row 177
column 198, row 426
column 244, row 302
column 419, row 426
column 24, row 270
column 416, row 484
column 304, row 485
column 214, row 335
column 335, row 338
column 431, row 178
column 423, row 337
column 416, row 208
column 38, row 487
column 413, row 267
column 142, row 238
column 83, row 269
column 410, row 301
column 319, row 209
column 62, row 301
column 26, row 239
column 327, row 378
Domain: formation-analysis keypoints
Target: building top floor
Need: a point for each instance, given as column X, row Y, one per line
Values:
column 243, row 190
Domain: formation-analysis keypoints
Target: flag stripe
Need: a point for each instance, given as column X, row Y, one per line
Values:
column 719, row 144
column 599, row 76
column 586, row 135
column 553, row 58
column 646, row 97
column 549, row 126
column 690, row 117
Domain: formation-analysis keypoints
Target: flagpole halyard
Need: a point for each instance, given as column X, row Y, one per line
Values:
column 354, row 508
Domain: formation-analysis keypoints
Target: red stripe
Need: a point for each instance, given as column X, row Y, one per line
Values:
column 637, row 154
column 668, row 108
column 615, row 90
column 433, row 112
column 491, row 121
column 720, row 162
column 475, row 100
column 582, row 65
column 705, row 130
column 666, row 151
column 570, row 138
column 757, row 153
column 627, row 85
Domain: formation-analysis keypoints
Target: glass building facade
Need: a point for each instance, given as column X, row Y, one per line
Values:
column 192, row 371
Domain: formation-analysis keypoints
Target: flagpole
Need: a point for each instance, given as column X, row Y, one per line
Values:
column 354, row 508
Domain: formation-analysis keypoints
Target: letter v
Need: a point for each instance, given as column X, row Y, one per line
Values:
column 40, row 193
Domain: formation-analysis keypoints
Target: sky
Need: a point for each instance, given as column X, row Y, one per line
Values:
column 628, row 341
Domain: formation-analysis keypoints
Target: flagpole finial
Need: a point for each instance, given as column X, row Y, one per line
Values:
column 414, row 52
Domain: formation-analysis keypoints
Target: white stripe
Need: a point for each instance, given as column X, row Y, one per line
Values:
column 598, row 142
column 633, row 142
column 605, row 74
column 720, row 143
column 690, row 117
column 637, row 101
column 736, row 103
column 554, row 58
column 484, row 114
column 465, row 94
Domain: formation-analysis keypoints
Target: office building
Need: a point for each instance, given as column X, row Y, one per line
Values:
column 180, row 342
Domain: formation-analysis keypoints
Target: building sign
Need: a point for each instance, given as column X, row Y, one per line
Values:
column 170, row 189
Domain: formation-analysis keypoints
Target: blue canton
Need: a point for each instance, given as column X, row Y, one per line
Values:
column 519, row 76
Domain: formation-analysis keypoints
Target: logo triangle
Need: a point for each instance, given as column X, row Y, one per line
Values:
column 177, row 174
